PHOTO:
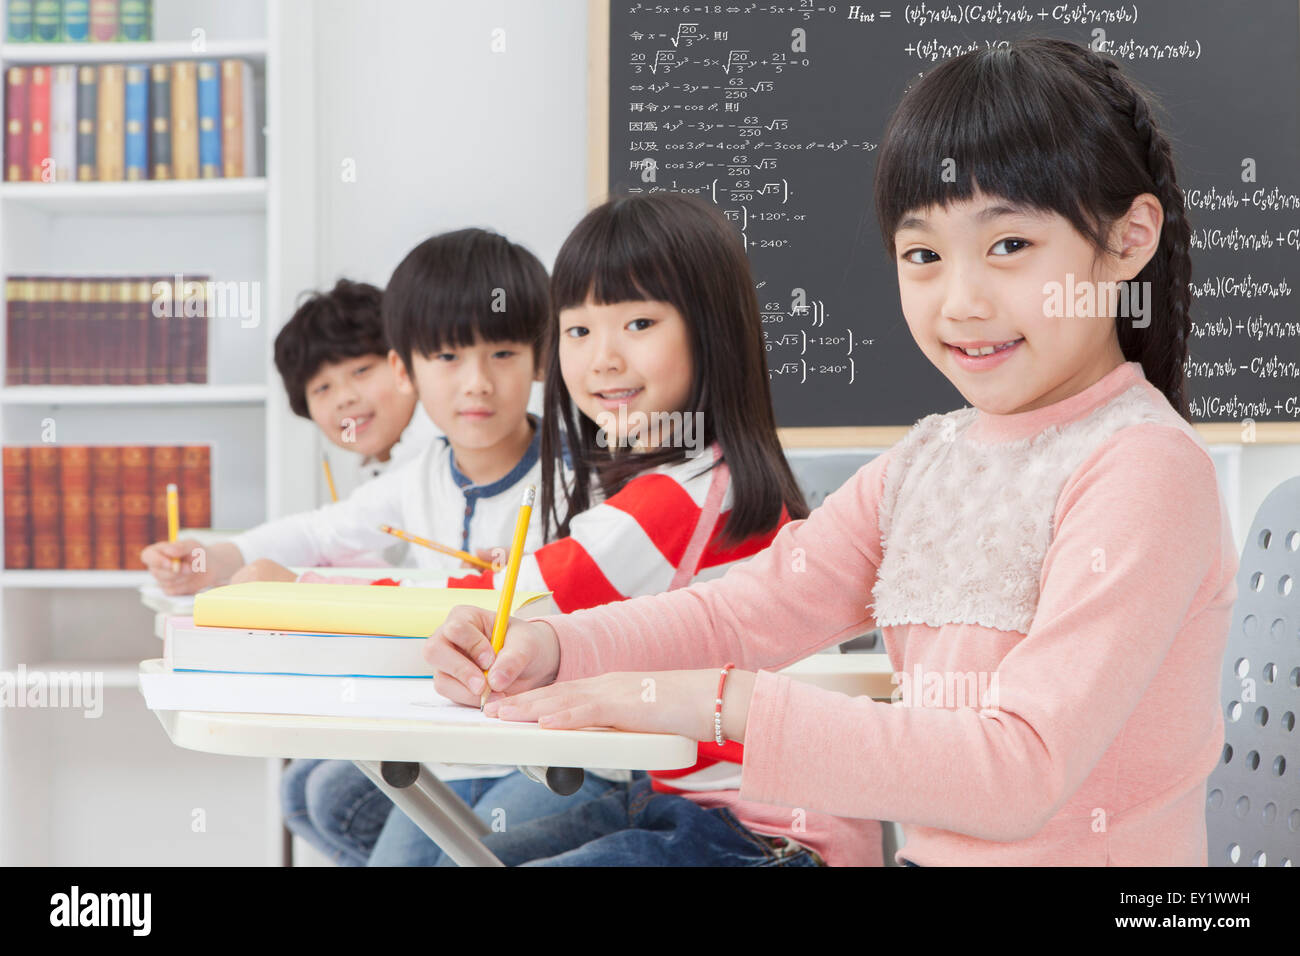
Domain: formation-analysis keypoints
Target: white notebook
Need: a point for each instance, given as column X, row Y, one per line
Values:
column 188, row 647
column 397, row 698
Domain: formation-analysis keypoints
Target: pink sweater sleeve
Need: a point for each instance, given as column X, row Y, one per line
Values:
column 825, row 565
column 1139, row 550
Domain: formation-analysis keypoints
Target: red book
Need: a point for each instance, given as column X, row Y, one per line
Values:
column 74, row 485
column 60, row 332
column 47, row 537
column 198, row 339
column 38, row 127
column 121, row 319
column 178, row 333
column 138, row 304
column 196, row 486
column 15, row 330
column 16, row 124
column 106, row 505
column 37, row 337
column 160, row 326
column 98, row 343
column 137, row 504
column 17, row 508
column 103, row 20
column 78, row 326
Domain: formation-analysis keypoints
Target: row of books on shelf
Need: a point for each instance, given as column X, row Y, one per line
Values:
column 125, row 330
column 180, row 120
column 78, row 21
column 96, row 506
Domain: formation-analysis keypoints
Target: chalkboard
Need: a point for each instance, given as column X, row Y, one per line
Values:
column 719, row 100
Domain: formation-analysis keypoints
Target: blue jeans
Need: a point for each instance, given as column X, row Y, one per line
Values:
column 334, row 807
column 507, row 801
column 638, row 827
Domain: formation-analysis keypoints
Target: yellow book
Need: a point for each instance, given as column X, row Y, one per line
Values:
column 110, row 151
column 185, row 120
column 341, row 608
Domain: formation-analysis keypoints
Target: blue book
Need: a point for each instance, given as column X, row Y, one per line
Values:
column 20, row 21
column 137, row 122
column 76, row 20
column 209, row 120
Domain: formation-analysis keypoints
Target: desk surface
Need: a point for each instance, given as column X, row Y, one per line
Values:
column 349, row 738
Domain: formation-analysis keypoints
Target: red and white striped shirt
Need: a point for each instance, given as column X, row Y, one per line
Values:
column 634, row 543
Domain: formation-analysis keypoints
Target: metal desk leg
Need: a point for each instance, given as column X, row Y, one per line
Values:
column 436, row 810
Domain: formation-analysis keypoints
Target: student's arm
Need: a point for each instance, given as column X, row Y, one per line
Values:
column 333, row 533
column 1141, row 547
column 810, row 588
column 627, row 546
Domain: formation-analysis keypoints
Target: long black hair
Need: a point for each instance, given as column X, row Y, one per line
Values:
column 1053, row 125
column 678, row 249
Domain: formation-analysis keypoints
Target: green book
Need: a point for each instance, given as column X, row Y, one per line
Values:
column 47, row 21
column 19, row 27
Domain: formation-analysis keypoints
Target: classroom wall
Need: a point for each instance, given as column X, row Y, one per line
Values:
column 423, row 128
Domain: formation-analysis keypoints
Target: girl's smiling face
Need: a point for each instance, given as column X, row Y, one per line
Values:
column 975, row 275
column 634, row 355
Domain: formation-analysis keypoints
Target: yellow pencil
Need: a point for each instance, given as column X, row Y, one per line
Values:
column 435, row 546
column 329, row 477
column 173, row 519
column 512, row 575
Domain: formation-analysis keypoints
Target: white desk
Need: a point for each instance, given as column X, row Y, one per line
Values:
column 429, row 802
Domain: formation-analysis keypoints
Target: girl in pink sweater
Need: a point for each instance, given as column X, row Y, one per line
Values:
column 1052, row 568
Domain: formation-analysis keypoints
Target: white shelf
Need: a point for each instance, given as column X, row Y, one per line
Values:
column 146, row 197
column 133, row 395
column 129, row 52
column 116, row 673
column 73, row 579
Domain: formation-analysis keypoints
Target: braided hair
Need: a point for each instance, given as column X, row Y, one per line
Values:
column 1053, row 125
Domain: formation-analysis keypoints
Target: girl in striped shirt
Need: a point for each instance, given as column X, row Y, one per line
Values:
column 657, row 386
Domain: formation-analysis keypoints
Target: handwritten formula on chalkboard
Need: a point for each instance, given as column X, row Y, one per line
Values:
column 775, row 111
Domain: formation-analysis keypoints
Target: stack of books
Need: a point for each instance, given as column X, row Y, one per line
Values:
column 315, row 649
column 185, row 119
column 79, row 21
column 124, row 330
column 84, row 507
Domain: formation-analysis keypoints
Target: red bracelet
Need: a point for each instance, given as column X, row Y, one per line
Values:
column 717, row 707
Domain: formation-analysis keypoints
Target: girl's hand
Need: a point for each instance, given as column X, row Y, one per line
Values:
column 461, row 649
column 263, row 569
column 665, row 702
column 196, row 566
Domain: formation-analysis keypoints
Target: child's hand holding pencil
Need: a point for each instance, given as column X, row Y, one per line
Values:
column 461, row 650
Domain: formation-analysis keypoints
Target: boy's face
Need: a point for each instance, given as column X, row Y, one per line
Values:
column 978, row 274
column 478, row 395
column 357, row 404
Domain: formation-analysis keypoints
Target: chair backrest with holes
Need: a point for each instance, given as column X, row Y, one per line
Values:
column 1253, row 797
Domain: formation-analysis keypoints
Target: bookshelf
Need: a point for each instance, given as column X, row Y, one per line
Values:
column 113, row 789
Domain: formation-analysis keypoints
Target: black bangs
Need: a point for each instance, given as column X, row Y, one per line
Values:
column 459, row 287
column 623, row 251
column 1007, row 122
